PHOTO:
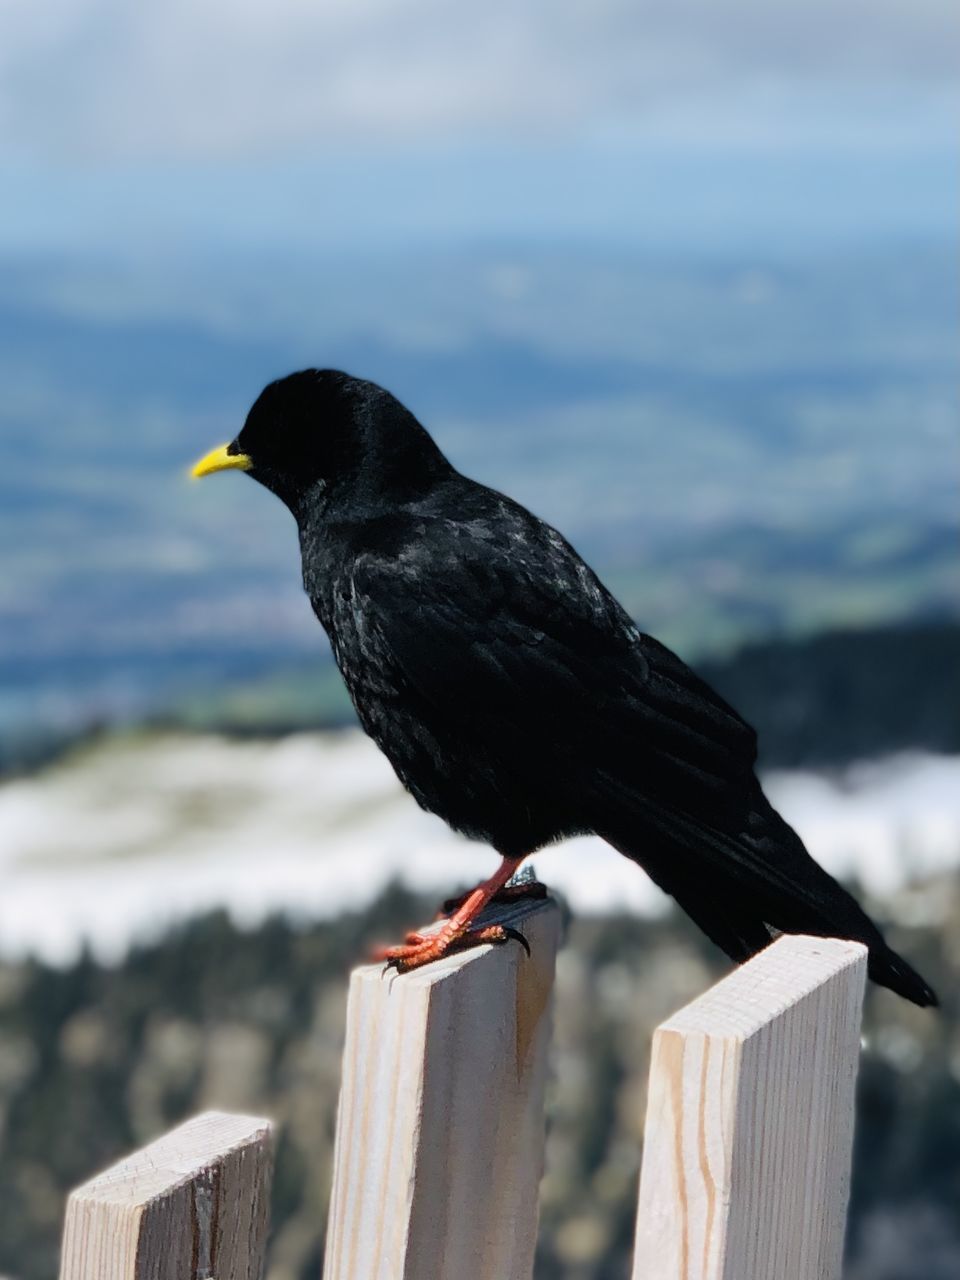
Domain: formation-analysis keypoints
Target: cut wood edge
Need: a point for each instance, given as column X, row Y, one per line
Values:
column 175, row 1158
column 767, row 985
column 194, row 1203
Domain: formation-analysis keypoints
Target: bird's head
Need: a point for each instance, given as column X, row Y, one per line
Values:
column 321, row 434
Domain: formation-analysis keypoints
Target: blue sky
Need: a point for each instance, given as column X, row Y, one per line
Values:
column 208, row 124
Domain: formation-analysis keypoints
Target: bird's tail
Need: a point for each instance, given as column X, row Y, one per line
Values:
column 743, row 889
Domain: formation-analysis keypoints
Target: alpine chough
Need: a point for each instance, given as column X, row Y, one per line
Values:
column 512, row 693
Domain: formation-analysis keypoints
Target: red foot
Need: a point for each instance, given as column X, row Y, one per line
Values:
column 419, row 949
column 458, row 933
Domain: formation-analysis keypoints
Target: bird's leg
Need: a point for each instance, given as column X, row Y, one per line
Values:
column 456, row 933
column 529, row 887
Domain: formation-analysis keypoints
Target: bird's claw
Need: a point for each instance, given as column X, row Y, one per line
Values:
column 515, row 935
column 420, row 949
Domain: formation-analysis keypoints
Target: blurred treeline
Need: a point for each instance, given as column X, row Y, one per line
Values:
column 825, row 699
column 847, row 695
column 97, row 1060
column 828, row 698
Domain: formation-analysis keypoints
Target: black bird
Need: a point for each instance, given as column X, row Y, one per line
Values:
column 512, row 693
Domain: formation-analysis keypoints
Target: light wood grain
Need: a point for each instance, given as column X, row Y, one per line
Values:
column 440, row 1130
column 194, row 1205
column 749, row 1125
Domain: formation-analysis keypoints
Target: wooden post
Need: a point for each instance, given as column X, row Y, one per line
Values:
column 440, row 1130
column 749, row 1126
column 194, row 1205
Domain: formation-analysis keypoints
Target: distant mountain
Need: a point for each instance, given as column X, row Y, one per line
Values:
column 742, row 448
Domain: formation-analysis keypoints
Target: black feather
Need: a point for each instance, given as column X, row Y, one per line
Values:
column 511, row 692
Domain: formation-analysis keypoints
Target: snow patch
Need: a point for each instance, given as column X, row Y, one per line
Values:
column 120, row 841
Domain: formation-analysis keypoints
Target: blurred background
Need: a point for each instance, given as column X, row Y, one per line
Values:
column 681, row 278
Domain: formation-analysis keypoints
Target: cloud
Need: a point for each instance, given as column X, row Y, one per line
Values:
column 200, row 79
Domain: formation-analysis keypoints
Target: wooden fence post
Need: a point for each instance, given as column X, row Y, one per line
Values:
column 440, row 1129
column 194, row 1205
column 749, row 1126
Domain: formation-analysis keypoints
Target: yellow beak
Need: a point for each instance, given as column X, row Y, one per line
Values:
column 220, row 460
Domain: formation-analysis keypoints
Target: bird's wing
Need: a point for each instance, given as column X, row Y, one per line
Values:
column 509, row 631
